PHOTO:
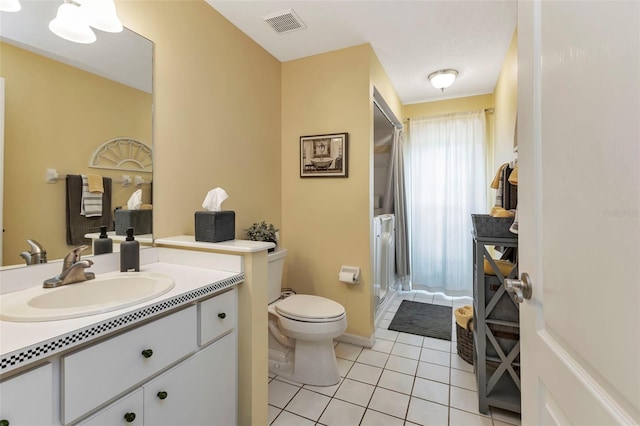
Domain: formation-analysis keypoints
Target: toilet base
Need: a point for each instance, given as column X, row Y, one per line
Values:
column 312, row 363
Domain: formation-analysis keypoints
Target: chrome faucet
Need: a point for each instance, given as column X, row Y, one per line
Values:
column 37, row 254
column 72, row 270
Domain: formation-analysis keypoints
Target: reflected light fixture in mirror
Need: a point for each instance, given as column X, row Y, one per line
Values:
column 74, row 20
column 442, row 79
column 10, row 5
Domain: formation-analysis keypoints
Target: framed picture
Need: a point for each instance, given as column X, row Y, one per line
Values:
column 324, row 155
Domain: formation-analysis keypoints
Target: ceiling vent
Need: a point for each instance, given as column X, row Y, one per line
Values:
column 284, row 21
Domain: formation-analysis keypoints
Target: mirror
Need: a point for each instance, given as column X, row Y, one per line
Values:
column 63, row 101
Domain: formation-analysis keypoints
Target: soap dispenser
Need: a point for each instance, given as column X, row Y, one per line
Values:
column 129, row 253
column 104, row 244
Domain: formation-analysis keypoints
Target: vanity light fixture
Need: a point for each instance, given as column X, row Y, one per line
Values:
column 76, row 17
column 10, row 5
column 442, row 79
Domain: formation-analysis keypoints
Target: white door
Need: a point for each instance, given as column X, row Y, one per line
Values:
column 1, row 161
column 579, row 210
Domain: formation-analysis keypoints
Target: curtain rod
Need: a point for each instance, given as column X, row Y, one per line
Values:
column 487, row 110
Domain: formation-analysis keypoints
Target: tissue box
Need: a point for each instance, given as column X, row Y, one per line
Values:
column 214, row 227
column 140, row 220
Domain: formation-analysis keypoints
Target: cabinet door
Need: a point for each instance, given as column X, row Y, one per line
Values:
column 125, row 411
column 27, row 399
column 201, row 390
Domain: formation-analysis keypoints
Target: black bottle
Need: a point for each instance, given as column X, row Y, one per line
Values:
column 104, row 244
column 129, row 253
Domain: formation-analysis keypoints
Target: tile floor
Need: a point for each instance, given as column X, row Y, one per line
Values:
column 403, row 379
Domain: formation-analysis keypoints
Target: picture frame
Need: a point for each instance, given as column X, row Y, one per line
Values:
column 324, row 155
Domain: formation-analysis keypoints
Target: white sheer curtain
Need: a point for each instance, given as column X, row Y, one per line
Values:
column 447, row 174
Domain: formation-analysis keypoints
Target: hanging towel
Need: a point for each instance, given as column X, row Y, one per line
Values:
column 91, row 203
column 95, row 183
column 509, row 191
column 498, row 185
column 513, row 177
column 77, row 225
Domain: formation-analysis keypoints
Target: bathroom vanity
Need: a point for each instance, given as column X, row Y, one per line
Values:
column 171, row 360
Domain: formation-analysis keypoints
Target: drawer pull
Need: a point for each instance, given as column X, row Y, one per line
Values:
column 147, row 353
column 4, row 422
column 162, row 394
column 222, row 315
column 129, row 417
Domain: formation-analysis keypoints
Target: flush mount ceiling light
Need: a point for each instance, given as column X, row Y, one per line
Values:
column 10, row 5
column 75, row 19
column 442, row 79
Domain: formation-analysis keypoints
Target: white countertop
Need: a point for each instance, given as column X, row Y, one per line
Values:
column 239, row 246
column 25, row 342
column 142, row 238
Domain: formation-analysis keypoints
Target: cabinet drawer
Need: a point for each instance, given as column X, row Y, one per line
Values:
column 92, row 376
column 217, row 316
column 126, row 411
column 27, row 399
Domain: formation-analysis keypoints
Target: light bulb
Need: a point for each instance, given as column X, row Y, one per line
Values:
column 10, row 5
column 70, row 25
column 101, row 15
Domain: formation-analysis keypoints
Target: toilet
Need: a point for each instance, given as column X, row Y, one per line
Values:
column 301, row 331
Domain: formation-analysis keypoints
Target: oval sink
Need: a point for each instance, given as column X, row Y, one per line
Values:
column 102, row 294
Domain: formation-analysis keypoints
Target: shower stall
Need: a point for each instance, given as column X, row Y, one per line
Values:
column 384, row 256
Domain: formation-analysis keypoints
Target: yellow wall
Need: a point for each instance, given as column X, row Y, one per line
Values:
column 217, row 115
column 326, row 220
column 56, row 116
column 217, row 123
column 506, row 95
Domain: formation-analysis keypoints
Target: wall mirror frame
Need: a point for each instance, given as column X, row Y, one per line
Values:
column 62, row 101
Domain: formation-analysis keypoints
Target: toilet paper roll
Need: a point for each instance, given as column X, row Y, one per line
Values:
column 347, row 277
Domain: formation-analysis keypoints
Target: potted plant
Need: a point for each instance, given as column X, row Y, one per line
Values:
column 262, row 232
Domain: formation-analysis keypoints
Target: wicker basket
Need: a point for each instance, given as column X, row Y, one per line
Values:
column 465, row 342
column 485, row 225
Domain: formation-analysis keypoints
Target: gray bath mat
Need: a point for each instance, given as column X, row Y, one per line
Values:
column 423, row 319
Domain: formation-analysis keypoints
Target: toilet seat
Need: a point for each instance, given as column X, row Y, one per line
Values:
column 308, row 308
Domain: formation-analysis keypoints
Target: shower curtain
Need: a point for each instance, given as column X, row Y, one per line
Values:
column 447, row 174
column 395, row 202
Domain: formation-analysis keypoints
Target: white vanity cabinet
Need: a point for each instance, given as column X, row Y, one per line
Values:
column 200, row 389
column 27, row 399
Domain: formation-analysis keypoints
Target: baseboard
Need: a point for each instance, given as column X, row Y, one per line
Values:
column 357, row 340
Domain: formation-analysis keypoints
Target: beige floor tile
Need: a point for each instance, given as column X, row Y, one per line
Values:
column 340, row 413
column 308, row 404
column 375, row 418
column 392, row 403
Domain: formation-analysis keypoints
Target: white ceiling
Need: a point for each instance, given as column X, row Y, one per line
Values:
column 411, row 38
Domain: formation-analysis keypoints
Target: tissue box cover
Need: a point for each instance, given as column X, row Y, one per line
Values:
column 214, row 227
column 140, row 220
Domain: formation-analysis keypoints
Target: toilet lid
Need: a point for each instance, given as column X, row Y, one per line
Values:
column 305, row 307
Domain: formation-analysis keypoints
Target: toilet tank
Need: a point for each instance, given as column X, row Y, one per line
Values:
column 275, row 263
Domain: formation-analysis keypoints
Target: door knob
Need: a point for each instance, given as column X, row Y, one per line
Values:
column 521, row 289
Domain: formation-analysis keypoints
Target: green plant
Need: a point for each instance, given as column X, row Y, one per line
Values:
column 261, row 232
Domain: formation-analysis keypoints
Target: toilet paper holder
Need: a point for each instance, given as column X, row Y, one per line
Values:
column 349, row 274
